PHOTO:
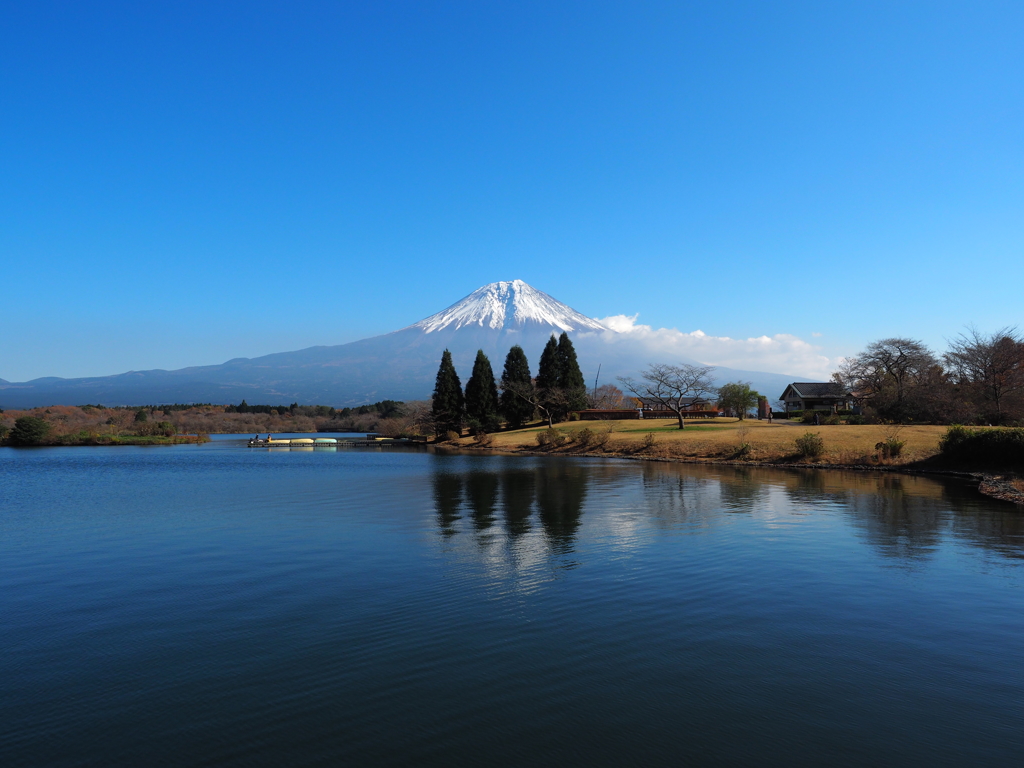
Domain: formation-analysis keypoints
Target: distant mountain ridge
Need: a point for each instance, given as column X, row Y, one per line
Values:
column 400, row 365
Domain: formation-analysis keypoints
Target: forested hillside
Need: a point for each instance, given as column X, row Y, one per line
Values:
column 93, row 424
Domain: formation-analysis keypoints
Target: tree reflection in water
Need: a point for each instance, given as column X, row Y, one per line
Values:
column 899, row 524
column 561, row 490
column 676, row 498
column 518, row 488
column 557, row 488
column 482, row 495
column 904, row 517
column 743, row 490
column 447, row 501
column 995, row 525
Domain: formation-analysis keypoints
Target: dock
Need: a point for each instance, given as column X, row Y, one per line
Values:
column 369, row 441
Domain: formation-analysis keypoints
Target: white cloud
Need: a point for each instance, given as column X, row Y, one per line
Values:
column 780, row 353
column 620, row 323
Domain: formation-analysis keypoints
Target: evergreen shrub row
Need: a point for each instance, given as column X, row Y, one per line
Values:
column 584, row 438
column 1002, row 446
column 551, row 438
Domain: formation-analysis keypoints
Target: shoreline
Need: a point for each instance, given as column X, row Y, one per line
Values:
column 105, row 441
column 1001, row 485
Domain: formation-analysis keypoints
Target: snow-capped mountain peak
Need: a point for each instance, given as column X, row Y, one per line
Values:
column 508, row 305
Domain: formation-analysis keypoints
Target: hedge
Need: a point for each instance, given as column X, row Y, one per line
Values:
column 1000, row 446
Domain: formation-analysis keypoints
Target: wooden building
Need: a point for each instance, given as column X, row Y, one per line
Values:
column 816, row 396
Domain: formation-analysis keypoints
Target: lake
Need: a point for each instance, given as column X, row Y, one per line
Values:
column 219, row 605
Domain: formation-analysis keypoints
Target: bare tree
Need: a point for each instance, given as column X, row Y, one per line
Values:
column 886, row 374
column 608, row 396
column 992, row 366
column 549, row 402
column 672, row 386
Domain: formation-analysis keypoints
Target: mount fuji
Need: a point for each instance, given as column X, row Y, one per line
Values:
column 400, row 365
column 509, row 306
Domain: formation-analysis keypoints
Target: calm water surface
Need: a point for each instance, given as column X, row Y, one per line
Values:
column 216, row 605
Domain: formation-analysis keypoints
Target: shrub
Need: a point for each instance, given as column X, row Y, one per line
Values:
column 1001, row 446
column 808, row 416
column 742, row 450
column 648, row 441
column 856, row 419
column 574, row 416
column 810, row 445
column 890, row 448
column 551, row 438
column 452, row 436
column 832, row 419
column 476, row 426
column 29, row 430
column 482, row 438
column 149, row 428
column 593, row 438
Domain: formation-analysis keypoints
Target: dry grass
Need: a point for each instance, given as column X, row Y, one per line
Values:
column 725, row 439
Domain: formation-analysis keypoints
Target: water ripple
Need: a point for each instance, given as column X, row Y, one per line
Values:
column 216, row 606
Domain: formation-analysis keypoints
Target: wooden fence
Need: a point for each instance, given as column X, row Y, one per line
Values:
column 609, row 414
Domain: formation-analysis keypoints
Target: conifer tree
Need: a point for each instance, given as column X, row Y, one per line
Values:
column 482, row 394
column 549, row 394
column 547, row 369
column 449, row 403
column 517, row 388
column 570, row 378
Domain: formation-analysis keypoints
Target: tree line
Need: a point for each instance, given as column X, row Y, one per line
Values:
column 384, row 409
column 557, row 390
column 67, row 424
column 979, row 379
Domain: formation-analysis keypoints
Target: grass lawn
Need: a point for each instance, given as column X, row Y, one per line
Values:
column 723, row 438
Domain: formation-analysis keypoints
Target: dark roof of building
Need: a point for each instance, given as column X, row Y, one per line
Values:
column 819, row 389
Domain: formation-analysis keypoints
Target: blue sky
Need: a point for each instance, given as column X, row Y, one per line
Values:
column 176, row 179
